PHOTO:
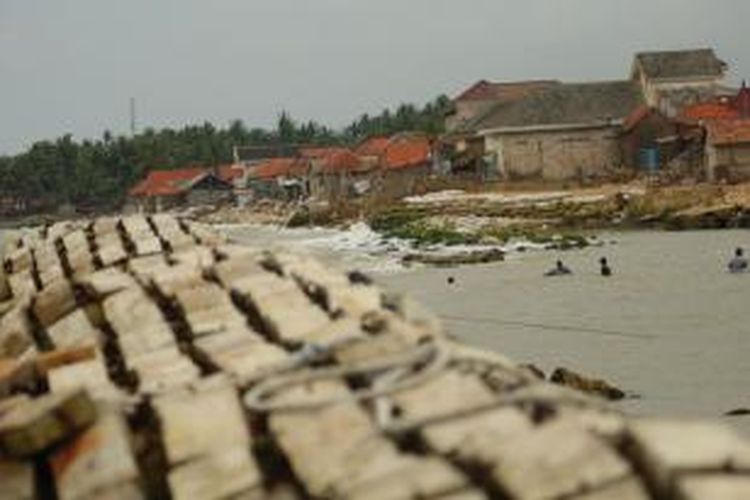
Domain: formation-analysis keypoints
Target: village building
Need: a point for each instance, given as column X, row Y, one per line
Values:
column 280, row 178
column 379, row 168
column 336, row 174
column 554, row 131
column 725, row 107
column 403, row 162
column 406, row 164
column 568, row 131
column 728, row 150
column 671, row 80
column 168, row 189
column 727, row 124
column 651, row 141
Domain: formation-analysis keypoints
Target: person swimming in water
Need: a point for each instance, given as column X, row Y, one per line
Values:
column 739, row 263
column 560, row 269
column 605, row 269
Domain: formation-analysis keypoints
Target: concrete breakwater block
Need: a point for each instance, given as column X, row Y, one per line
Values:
column 36, row 425
column 146, row 357
column 98, row 463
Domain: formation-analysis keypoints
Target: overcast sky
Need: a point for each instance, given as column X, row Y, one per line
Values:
column 70, row 66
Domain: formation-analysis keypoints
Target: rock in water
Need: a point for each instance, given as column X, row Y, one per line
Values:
column 568, row 378
column 739, row 412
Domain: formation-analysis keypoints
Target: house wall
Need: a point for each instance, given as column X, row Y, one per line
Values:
column 330, row 187
column 278, row 188
column 728, row 162
column 398, row 183
column 153, row 204
column 333, row 187
column 645, row 135
column 555, row 155
column 657, row 92
column 208, row 196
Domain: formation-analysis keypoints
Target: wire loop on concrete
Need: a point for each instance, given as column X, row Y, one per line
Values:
column 413, row 367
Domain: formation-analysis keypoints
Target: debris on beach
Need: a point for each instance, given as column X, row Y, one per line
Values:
column 452, row 259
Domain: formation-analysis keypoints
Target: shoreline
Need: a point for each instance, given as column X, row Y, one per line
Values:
column 453, row 227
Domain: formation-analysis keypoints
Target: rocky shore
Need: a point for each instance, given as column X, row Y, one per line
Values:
column 480, row 225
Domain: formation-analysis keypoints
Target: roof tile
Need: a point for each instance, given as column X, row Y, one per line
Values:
column 174, row 182
column 726, row 132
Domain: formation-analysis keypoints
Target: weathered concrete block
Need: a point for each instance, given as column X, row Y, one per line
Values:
column 31, row 428
column 143, row 268
column 559, row 459
column 197, row 425
column 75, row 330
column 21, row 284
column 238, row 354
column 110, row 249
column 200, row 257
column 15, row 331
column 713, row 486
column 169, row 280
column 357, row 463
column 667, row 448
column 19, row 260
column 54, row 302
column 208, row 309
column 105, row 225
column 16, row 480
column 106, row 282
column 90, row 375
column 15, row 375
column 628, row 489
column 98, row 463
column 228, row 473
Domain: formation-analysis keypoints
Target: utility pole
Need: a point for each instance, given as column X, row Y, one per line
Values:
column 132, row 117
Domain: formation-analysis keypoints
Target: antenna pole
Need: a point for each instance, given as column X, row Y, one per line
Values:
column 132, row 117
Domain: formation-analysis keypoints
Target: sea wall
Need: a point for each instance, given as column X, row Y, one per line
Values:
column 147, row 357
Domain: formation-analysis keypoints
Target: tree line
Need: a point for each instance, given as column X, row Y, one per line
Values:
column 96, row 174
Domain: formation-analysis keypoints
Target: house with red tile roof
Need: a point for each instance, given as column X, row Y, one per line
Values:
column 704, row 112
column 408, row 163
column 337, row 173
column 283, row 178
column 728, row 150
column 557, row 131
column 372, row 147
column 727, row 107
column 650, row 140
column 389, row 165
column 167, row 189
